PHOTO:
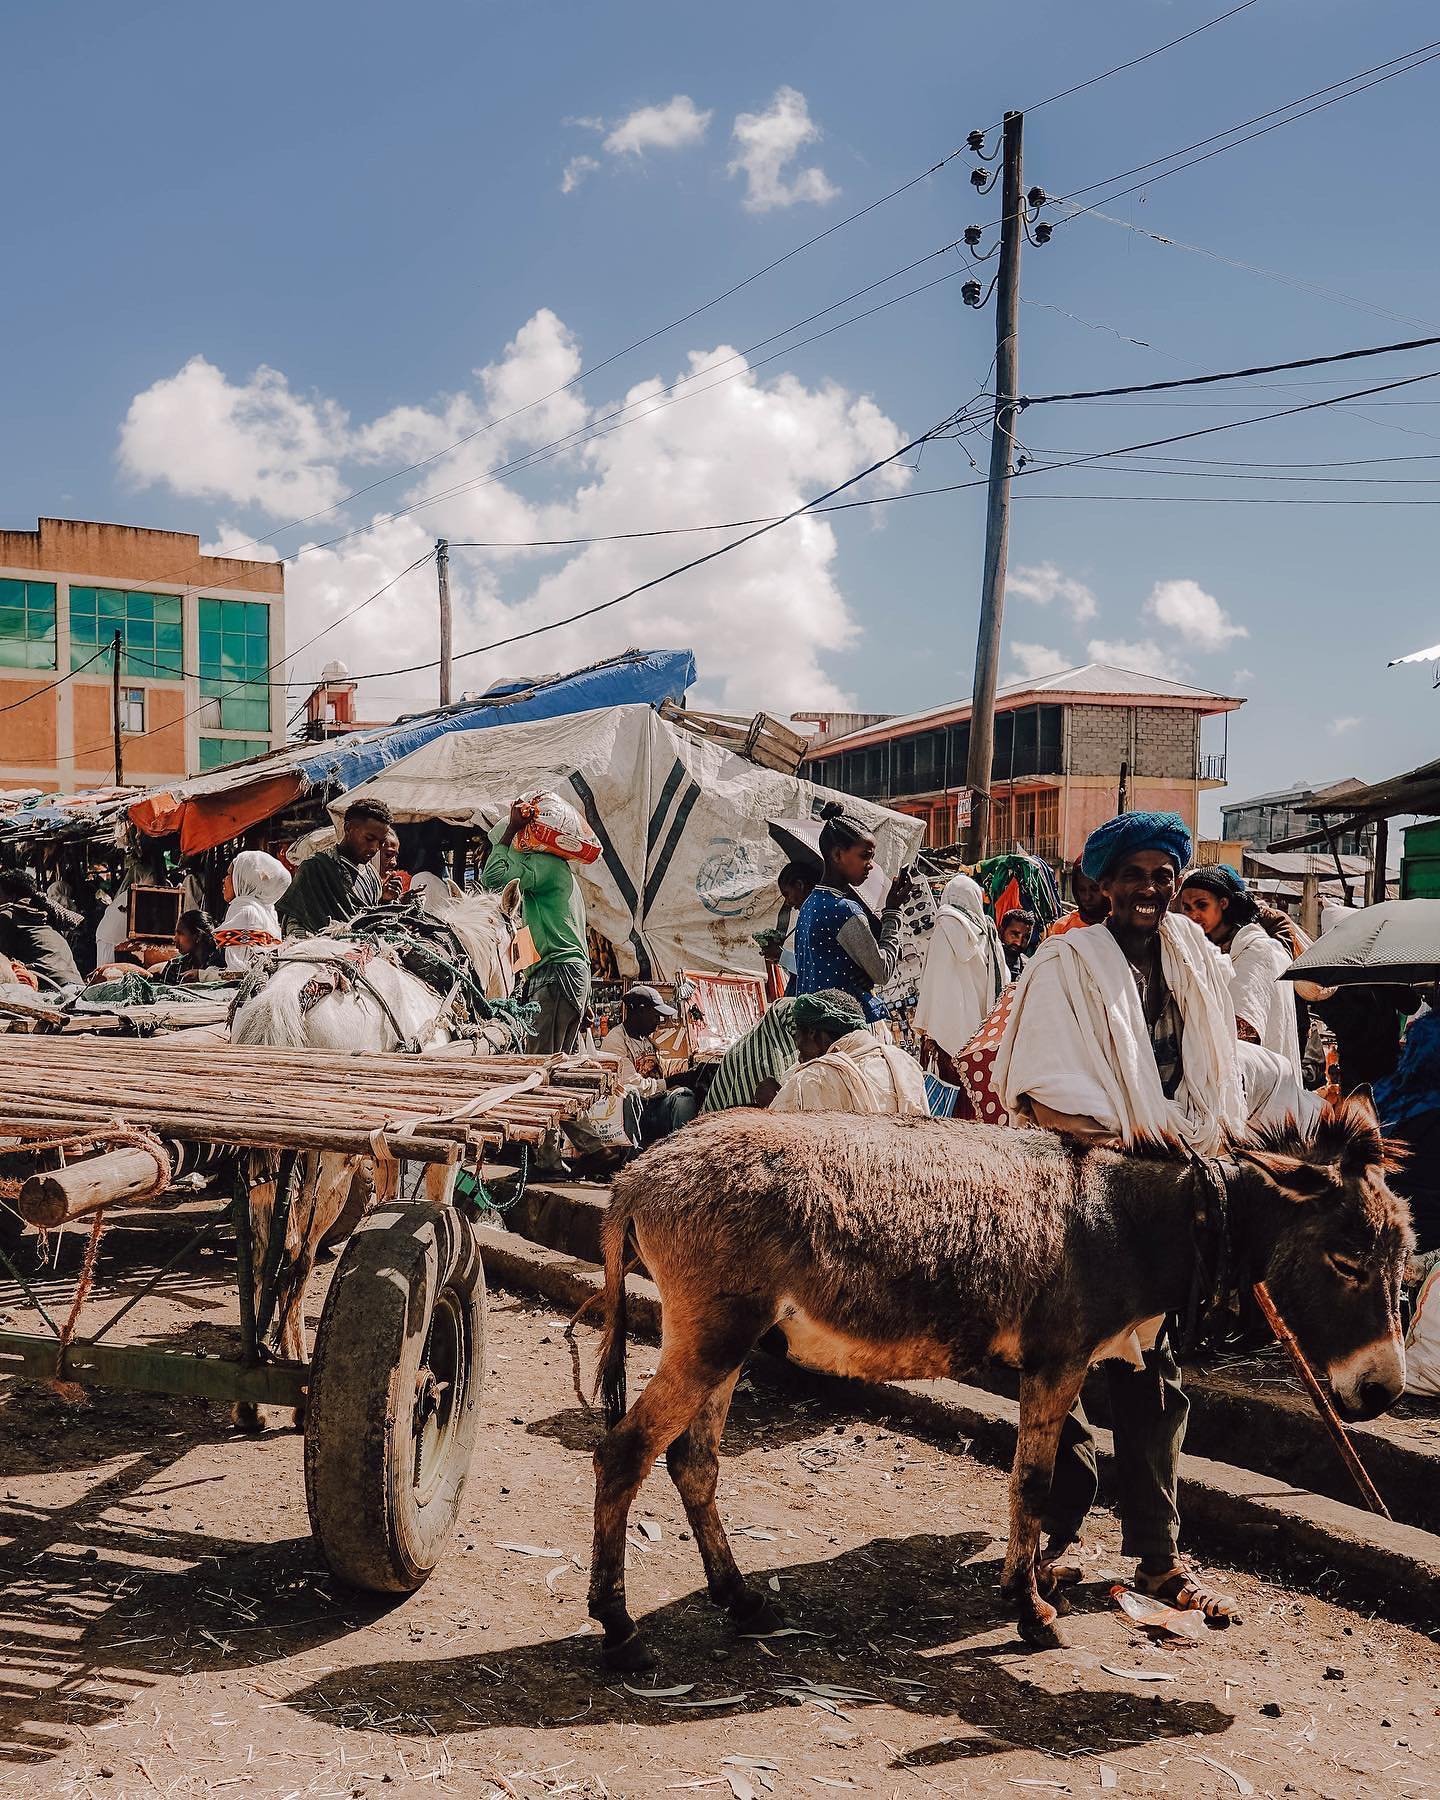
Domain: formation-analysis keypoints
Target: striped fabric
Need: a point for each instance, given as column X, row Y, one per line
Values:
column 767, row 1049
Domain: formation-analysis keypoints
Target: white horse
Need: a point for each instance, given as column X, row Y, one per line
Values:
column 359, row 998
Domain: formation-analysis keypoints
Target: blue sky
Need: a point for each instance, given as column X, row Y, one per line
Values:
column 368, row 204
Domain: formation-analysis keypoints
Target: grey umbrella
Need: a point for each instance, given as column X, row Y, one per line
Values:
column 800, row 840
column 1396, row 943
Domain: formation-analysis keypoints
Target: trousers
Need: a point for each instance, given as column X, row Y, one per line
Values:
column 646, row 1121
column 1148, row 1410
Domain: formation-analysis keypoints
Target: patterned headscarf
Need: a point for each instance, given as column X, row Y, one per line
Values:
column 831, row 1012
column 1123, row 836
column 1227, row 884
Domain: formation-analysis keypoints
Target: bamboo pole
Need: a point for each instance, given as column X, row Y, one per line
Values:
column 1349, row 1455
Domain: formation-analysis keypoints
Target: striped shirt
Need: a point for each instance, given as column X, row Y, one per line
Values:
column 766, row 1050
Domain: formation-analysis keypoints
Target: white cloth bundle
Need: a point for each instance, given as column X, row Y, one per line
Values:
column 964, row 968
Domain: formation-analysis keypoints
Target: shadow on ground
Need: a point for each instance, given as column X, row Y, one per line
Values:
column 877, row 1610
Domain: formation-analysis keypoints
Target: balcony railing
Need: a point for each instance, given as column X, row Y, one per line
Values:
column 1212, row 767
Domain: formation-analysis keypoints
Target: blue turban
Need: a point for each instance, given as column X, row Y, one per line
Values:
column 1123, row 836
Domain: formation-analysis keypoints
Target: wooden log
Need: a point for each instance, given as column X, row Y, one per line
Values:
column 257, row 1133
column 59, row 1195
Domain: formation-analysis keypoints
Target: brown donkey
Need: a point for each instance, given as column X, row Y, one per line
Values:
column 897, row 1249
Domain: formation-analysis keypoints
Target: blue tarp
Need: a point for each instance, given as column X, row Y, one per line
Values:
column 643, row 677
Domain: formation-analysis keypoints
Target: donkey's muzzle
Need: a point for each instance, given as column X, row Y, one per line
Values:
column 1369, row 1382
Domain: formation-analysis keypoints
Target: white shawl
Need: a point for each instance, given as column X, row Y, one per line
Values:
column 857, row 1074
column 964, row 968
column 1262, row 999
column 1077, row 1040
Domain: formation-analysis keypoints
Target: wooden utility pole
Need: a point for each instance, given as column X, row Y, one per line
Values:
column 442, row 572
column 115, row 653
column 997, row 517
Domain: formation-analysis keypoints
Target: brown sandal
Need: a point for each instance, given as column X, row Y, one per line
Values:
column 1065, row 1562
column 1179, row 1587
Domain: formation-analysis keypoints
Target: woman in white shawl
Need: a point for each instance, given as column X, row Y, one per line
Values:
column 964, row 969
column 1218, row 901
column 251, row 925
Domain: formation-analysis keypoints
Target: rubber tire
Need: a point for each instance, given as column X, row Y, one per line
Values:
column 377, row 1530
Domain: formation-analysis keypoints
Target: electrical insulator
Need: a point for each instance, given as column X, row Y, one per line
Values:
column 970, row 292
column 1037, row 198
column 978, row 178
column 976, row 143
column 973, row 234
column 1043, row 233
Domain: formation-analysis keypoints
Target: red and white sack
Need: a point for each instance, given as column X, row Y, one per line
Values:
column 556, row 828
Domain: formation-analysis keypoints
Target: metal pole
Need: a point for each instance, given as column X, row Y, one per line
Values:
column 115, row 706
column 997, row 517
column 1379, row 881
column 442, row 572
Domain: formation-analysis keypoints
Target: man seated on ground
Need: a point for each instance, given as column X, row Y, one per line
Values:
column 654, row 1108
column 31, row 931
column 1120, row 1033
column 333, row 885
column 752, row 1069
column 559, row 981
column 844, row 1067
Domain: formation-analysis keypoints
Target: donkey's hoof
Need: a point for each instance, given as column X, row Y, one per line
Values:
column 245, row 1416
column 761, row 1619
column 1037, row 1627
column 629, row 1656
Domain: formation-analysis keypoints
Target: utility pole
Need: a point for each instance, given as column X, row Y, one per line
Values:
column 115, row 650
column 442, row 572
column 997, row 516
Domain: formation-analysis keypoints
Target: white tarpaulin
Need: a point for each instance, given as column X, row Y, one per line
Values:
column 688, row 871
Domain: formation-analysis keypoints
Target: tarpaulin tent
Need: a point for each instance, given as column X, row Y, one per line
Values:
column 214, row 808
column 688, row 871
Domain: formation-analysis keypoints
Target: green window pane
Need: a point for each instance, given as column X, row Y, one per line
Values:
column 169, row 637
column 82, row 603
column 110, row 606
column 257, row 622
column 215, row 753
column 14, row 654
column 12, row 621
column 167, row 609
column 209, row 646
column 12, row 592
column 41, row 653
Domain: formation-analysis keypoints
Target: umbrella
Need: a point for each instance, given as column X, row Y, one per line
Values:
column 1397, row 943
column 800, row 840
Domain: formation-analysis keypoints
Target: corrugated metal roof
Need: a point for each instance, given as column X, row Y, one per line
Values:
column 1091, row 681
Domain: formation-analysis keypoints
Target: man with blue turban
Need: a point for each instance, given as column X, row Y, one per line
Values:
column 1120, row 1034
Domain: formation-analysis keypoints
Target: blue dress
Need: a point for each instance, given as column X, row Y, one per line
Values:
column 820, row 959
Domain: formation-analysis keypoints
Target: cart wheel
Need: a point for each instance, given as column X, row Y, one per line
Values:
column 394, row 1396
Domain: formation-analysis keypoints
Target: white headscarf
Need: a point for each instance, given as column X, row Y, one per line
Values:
column 964, row 968
column 251, row 922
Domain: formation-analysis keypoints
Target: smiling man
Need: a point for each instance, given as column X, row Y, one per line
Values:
column 1122, row 1033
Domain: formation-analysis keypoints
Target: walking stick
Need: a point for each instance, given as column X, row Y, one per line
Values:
column 1329, row 1417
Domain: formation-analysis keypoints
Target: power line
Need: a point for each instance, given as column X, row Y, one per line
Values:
column 1234, row 499
column 1347, row 83
column 695, row 562
column 1188, row 381
column 60, row 681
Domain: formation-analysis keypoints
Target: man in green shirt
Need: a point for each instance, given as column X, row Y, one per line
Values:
column 559, row 983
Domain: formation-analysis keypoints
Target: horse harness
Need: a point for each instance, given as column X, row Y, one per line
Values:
column 1215, row 1282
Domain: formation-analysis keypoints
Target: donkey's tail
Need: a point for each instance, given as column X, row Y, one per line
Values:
column 610, row 1374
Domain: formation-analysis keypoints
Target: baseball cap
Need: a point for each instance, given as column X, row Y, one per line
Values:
column 641, row 992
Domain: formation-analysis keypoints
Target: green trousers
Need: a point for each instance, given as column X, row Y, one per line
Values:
column 1148, row 1410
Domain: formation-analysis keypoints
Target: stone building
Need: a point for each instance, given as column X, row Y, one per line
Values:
column 1065, row 746
column 200, row 636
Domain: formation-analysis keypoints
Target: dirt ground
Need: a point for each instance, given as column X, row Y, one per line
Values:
column 168, row 1627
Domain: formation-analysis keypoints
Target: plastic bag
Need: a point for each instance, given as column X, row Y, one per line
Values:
column 1422, row 1342
column 556, row 828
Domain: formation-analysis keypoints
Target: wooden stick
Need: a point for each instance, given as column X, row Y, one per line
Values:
column 1349, row 1455
column 120, row 1177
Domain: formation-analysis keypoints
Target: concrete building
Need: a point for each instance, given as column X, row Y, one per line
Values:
column 1275, row 818
column 1062, row 745
column 200, row 636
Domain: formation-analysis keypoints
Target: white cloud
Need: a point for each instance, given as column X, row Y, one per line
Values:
column 673, row 126
column 760, row 620
column 1198, row 617
column 1338, row 727
column 1043, row 582
column 1036, row 661
column 253, row 444
column 576, row 170
column 1143, row 655
column 1243, row 675
column 767, row 143
column 234, row 540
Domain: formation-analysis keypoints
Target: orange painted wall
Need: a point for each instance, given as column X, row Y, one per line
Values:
column 160, row 753
column 1089, row 801
column 28, row 735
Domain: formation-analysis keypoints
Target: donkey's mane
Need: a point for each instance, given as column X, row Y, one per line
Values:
column 1345, row 1128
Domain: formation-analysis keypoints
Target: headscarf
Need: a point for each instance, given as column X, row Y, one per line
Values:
column 1227, row 884
column 1123, row 836
column 964, row 899
column 251, row 922
column 965, row 970
column 831, row 1011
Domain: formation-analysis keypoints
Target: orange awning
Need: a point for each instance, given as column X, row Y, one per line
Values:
column 205, row 820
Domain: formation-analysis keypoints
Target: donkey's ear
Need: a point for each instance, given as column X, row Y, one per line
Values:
column 1295, row 1178
column 1362, row 1102
column 512, row 902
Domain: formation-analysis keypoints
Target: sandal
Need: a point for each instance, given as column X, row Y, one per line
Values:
column 1179, row 1587
column 1066, row 1561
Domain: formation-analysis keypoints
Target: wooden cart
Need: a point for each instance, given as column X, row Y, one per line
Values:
column 390, row 1393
